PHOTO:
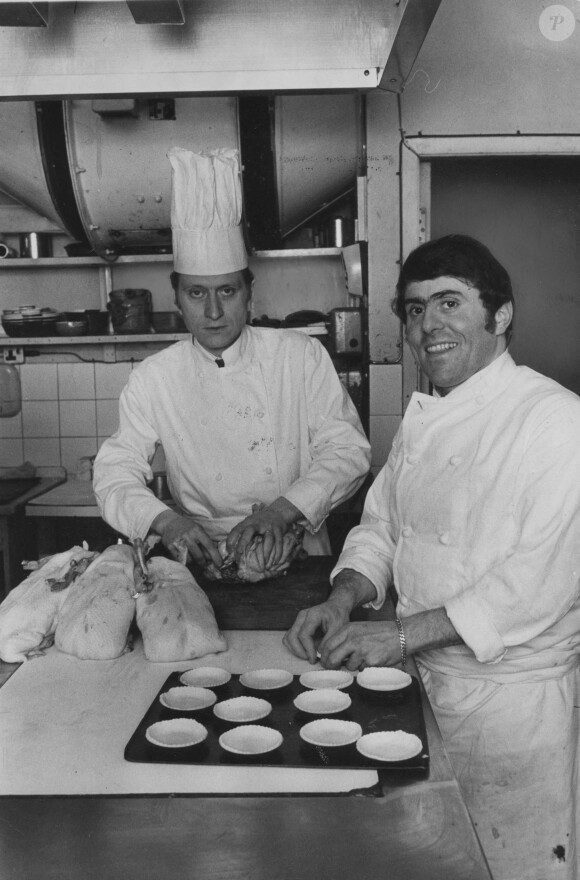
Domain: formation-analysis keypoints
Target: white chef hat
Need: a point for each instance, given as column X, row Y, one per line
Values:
column 206, row 212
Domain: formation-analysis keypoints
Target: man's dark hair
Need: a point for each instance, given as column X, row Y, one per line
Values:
column 463, row 257
column 247, row 273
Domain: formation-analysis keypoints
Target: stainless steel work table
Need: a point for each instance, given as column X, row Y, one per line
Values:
column 415, row 829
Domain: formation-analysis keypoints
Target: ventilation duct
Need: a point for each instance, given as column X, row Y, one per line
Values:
column 99, row 168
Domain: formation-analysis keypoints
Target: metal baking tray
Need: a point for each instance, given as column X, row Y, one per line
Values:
column 373, row 710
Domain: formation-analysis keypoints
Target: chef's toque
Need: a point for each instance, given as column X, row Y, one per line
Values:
column 206, row 212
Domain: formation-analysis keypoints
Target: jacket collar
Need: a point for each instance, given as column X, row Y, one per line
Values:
column 483, row 385
column 234, row 356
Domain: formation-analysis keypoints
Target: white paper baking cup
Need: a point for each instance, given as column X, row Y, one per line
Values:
column 383, row 678
column 326, row 678
column 323, row 701
column 330, row 732
column 176, row 733
column 187, row 698
column 266, row 679
column 205, row 676
column 251, row 739
column 242, row 709
column 389, row 745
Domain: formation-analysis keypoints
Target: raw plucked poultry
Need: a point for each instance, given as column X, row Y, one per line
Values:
column 252, row 566
column 28, row 615
column 175, row 616
column 99, row 607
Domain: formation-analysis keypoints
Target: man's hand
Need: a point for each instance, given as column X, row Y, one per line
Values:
column 357, row 645
column 272, row 523
column 349, row 590
column 181, row 535
column 329, row 618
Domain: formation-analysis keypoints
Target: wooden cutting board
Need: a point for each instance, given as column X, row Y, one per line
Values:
column 271, row 604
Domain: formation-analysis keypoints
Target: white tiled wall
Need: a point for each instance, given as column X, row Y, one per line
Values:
column 67, row 412
column 385, row 403
column 69, row 409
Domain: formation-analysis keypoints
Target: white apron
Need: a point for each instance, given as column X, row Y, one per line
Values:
column 478, row 511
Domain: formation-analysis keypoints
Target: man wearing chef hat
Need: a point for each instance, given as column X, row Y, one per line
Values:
column 475, row 523
column 257, row 431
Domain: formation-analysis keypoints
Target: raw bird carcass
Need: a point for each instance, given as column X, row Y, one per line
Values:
column 96, row 616
column 28, row 615
column 175, row 616
column 252, row 565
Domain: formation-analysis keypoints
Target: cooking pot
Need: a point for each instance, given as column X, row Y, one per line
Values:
column 130, row 310
column 35, row 245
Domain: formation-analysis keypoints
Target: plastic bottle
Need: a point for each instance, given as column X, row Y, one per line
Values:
column 10, row 391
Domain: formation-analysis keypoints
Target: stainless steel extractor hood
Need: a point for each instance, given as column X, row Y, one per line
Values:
column 180, row 47
column 84, row 136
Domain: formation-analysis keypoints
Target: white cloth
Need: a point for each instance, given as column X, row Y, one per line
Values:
column 206, row 212
column 275, row 420
column 513, row 747
column 64, row 725
column 478, row 510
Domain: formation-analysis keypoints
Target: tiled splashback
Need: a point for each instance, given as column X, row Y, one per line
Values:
column 67, row 412
column 69, row 409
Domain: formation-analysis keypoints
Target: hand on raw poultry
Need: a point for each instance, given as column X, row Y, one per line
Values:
column 271, row 523
column 183, row 536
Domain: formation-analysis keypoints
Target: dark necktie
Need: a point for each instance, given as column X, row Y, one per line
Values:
column 220, row 362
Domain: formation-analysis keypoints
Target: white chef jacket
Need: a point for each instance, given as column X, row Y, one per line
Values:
column 275, row 420
column 478, row 511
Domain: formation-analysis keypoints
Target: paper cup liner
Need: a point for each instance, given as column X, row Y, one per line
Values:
column 330, row 732
column 266, row 679
column 176, row 733
column 205, row 676
column 187, row 698
column 322, row 701
column 326, row 678
column 242, row 709
column 389, row 745
column 251, row 739
column 383, row 678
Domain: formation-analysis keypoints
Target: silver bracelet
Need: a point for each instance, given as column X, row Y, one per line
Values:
column 402, row 641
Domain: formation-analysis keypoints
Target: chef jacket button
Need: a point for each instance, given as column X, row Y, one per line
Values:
column 268, row 470
column 412, row 459
column 480, row 400
column 403, row 601
column 455, row 460
column 406, row 531
column 444, row 538
column 218, row 477
column 260, row 414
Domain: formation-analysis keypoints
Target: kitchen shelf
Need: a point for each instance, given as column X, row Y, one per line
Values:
column 121, row 338
column 79, row 262
column 300, row 252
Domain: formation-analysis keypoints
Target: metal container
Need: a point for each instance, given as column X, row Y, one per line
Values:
column 35, row 245
column 6, row 252
column 130, row 310
column 346, row 331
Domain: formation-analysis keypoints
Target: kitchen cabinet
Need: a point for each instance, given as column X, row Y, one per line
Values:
column 17, row 538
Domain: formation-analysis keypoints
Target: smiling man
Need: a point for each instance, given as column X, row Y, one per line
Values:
column 474, row 524
column 248, row 417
